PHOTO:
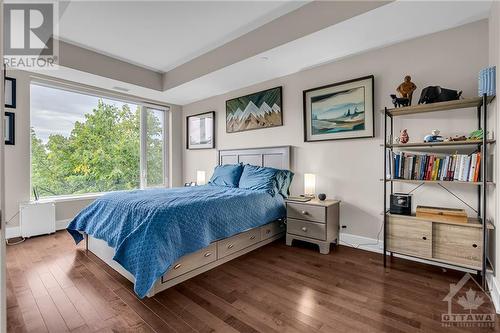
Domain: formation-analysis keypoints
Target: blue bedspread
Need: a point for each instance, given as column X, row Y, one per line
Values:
column 151, row 229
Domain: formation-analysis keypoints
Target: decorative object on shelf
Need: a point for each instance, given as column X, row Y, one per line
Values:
column 10, row 92
column 434, row 137
column 433, row 94
column 400, row 204
column 200, row 177
column 322, row 196
column 399, row 101
column 476, row 135
column 487, row 81
column 406, row 89
column 442, row 214
column 309, row 185
column 456, row 138
column 404, row 137
column 200, row 131
column 9, row 128
column 341, row 110
column 258, row 110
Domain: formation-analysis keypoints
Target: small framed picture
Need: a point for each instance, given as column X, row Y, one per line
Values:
column 9, row 128
column 10, row 92
column 200, row 133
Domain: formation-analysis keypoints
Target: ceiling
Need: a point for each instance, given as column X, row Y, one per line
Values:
column 344, row 39
column 162, row 35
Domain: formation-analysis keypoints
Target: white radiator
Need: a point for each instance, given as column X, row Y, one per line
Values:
column 37, row 218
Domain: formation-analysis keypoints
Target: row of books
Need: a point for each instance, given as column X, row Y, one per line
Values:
column 403, row 165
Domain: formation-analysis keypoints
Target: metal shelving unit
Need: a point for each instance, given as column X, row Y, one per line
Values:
column 480, row 103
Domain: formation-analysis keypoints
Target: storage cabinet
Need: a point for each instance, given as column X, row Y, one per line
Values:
column 458, row 244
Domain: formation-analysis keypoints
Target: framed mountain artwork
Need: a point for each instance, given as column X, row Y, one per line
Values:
column 258, row 110
column 342, row 110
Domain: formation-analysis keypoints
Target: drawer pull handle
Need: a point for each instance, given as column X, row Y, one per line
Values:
column 304, row 212
column 304, row 229
column 253, row 237
column 230, row 246
column 177, row 266
column 268, row 231
column 474, row 245
column 208, row 254
column 424, row 238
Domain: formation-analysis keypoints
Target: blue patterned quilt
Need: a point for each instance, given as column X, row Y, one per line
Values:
column 151, row 229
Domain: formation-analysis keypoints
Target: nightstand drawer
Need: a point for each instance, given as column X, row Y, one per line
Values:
column 306, row 229
column 306, row 212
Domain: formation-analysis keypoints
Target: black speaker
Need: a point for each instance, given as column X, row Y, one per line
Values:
column 400, row 204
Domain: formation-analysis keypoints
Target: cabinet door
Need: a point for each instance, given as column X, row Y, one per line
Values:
column 410, row 237
column 458, row 244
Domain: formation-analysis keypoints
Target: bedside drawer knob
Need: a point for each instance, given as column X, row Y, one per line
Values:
column 230, row 246
column 304, row 212
column 208, row 254
column 253, row 237
column 177, row 266
column 304, row 229
column 424, row 238
column 474, row 245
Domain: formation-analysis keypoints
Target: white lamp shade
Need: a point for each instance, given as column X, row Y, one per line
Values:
column 309, row 184
column 200, row 177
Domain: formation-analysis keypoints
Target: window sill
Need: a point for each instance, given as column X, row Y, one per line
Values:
column 65, row 198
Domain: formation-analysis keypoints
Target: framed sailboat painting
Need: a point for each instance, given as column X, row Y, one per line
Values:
column 343, row 110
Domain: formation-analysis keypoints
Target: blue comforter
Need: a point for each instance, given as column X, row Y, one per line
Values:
column 151, row 229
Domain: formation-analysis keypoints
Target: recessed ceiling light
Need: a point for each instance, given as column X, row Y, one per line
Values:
column 121, row 88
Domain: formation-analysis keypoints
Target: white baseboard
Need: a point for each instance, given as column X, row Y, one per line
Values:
column 62, row 224
column 494, row 291
column 373, row 245
column 12, row 232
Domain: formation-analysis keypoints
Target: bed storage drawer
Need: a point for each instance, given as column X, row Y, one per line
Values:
column 238, row 242
column 191, row 261
column 272, row 229
column 306, row 212
column 306, row 229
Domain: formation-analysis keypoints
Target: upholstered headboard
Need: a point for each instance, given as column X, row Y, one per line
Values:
column 273, row 157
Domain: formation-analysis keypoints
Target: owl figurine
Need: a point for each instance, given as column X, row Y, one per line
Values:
column 404, row 137
column 407, row 88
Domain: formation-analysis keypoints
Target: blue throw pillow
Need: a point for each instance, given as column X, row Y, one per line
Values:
column 259, row 178
column 227, row 175
column 284, row 180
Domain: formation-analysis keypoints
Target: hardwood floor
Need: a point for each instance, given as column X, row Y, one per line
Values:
column 55, row 286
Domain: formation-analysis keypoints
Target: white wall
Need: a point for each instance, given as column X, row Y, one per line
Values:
column 350, row 170
column 17, row 157
column 494, row 60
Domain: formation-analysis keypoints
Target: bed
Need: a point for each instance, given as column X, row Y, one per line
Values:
column 207, row 225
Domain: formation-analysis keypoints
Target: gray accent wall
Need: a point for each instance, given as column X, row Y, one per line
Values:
column 350, row 170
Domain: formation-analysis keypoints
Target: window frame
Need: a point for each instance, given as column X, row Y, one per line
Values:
column 144, row 105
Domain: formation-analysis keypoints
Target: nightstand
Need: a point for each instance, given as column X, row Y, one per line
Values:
column 314, row 221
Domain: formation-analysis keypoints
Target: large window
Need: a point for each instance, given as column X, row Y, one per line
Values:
column 82, row 143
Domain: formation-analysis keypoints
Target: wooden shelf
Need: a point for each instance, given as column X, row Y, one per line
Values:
column 472, row 221
column 472, row 102
column 414, row 181
column 438, row 144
